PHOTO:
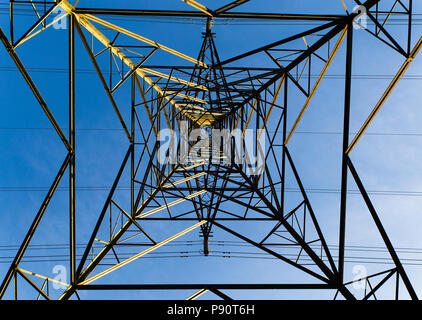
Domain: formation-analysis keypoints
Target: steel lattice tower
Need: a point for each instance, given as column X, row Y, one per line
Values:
column 209, row 93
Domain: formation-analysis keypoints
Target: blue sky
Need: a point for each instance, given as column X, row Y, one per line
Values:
column 31, row 158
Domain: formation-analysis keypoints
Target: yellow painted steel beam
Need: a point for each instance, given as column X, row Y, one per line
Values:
column 208, row 113
column 201, row 118
column 316, row 85
column 70, row 10
column 127, row 61
column 187, row 105
column 238, row 117
column 197, row 294
column 158, row 189
column 85, row 23
column 35, row 9
column 191, row 167
column 185, row 180
column 187, row 97
column 255, row 102
column 43, row 277
column 270, row 109
column 42, row 289
column 151, row 120
column 386, row 94
column 143, row 39
column 107, row 247
column 344, row 6
column 40, row 21
column 15, row 285
column 166, row 115
column 32, row 283
column 230, row 6
column 306, row 42
column 140, row 254
column 166, row 76
column 117, row 52
column 132, row 220
column 142, row 93
column 195, row 161
column 303, row 69
column 131, row 237
column 168, row 205
column 101, row 241
column 199, row 6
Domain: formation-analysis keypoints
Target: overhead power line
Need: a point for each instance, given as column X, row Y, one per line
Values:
column 24, row 10
column 218, row 252
column 290, row 190
column 118, row 130
column 314, row 76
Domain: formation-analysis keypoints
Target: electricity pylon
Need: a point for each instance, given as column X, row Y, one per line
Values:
column 208, row 186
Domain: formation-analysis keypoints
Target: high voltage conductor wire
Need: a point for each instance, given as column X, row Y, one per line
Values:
column 223, row 254
column 222, row 243
column 298, row 132
column 289, row 190
column 200, row 21
column 227, row 253
column 333, row 76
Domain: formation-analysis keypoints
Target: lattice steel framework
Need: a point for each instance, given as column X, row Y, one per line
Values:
column 207, row 92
